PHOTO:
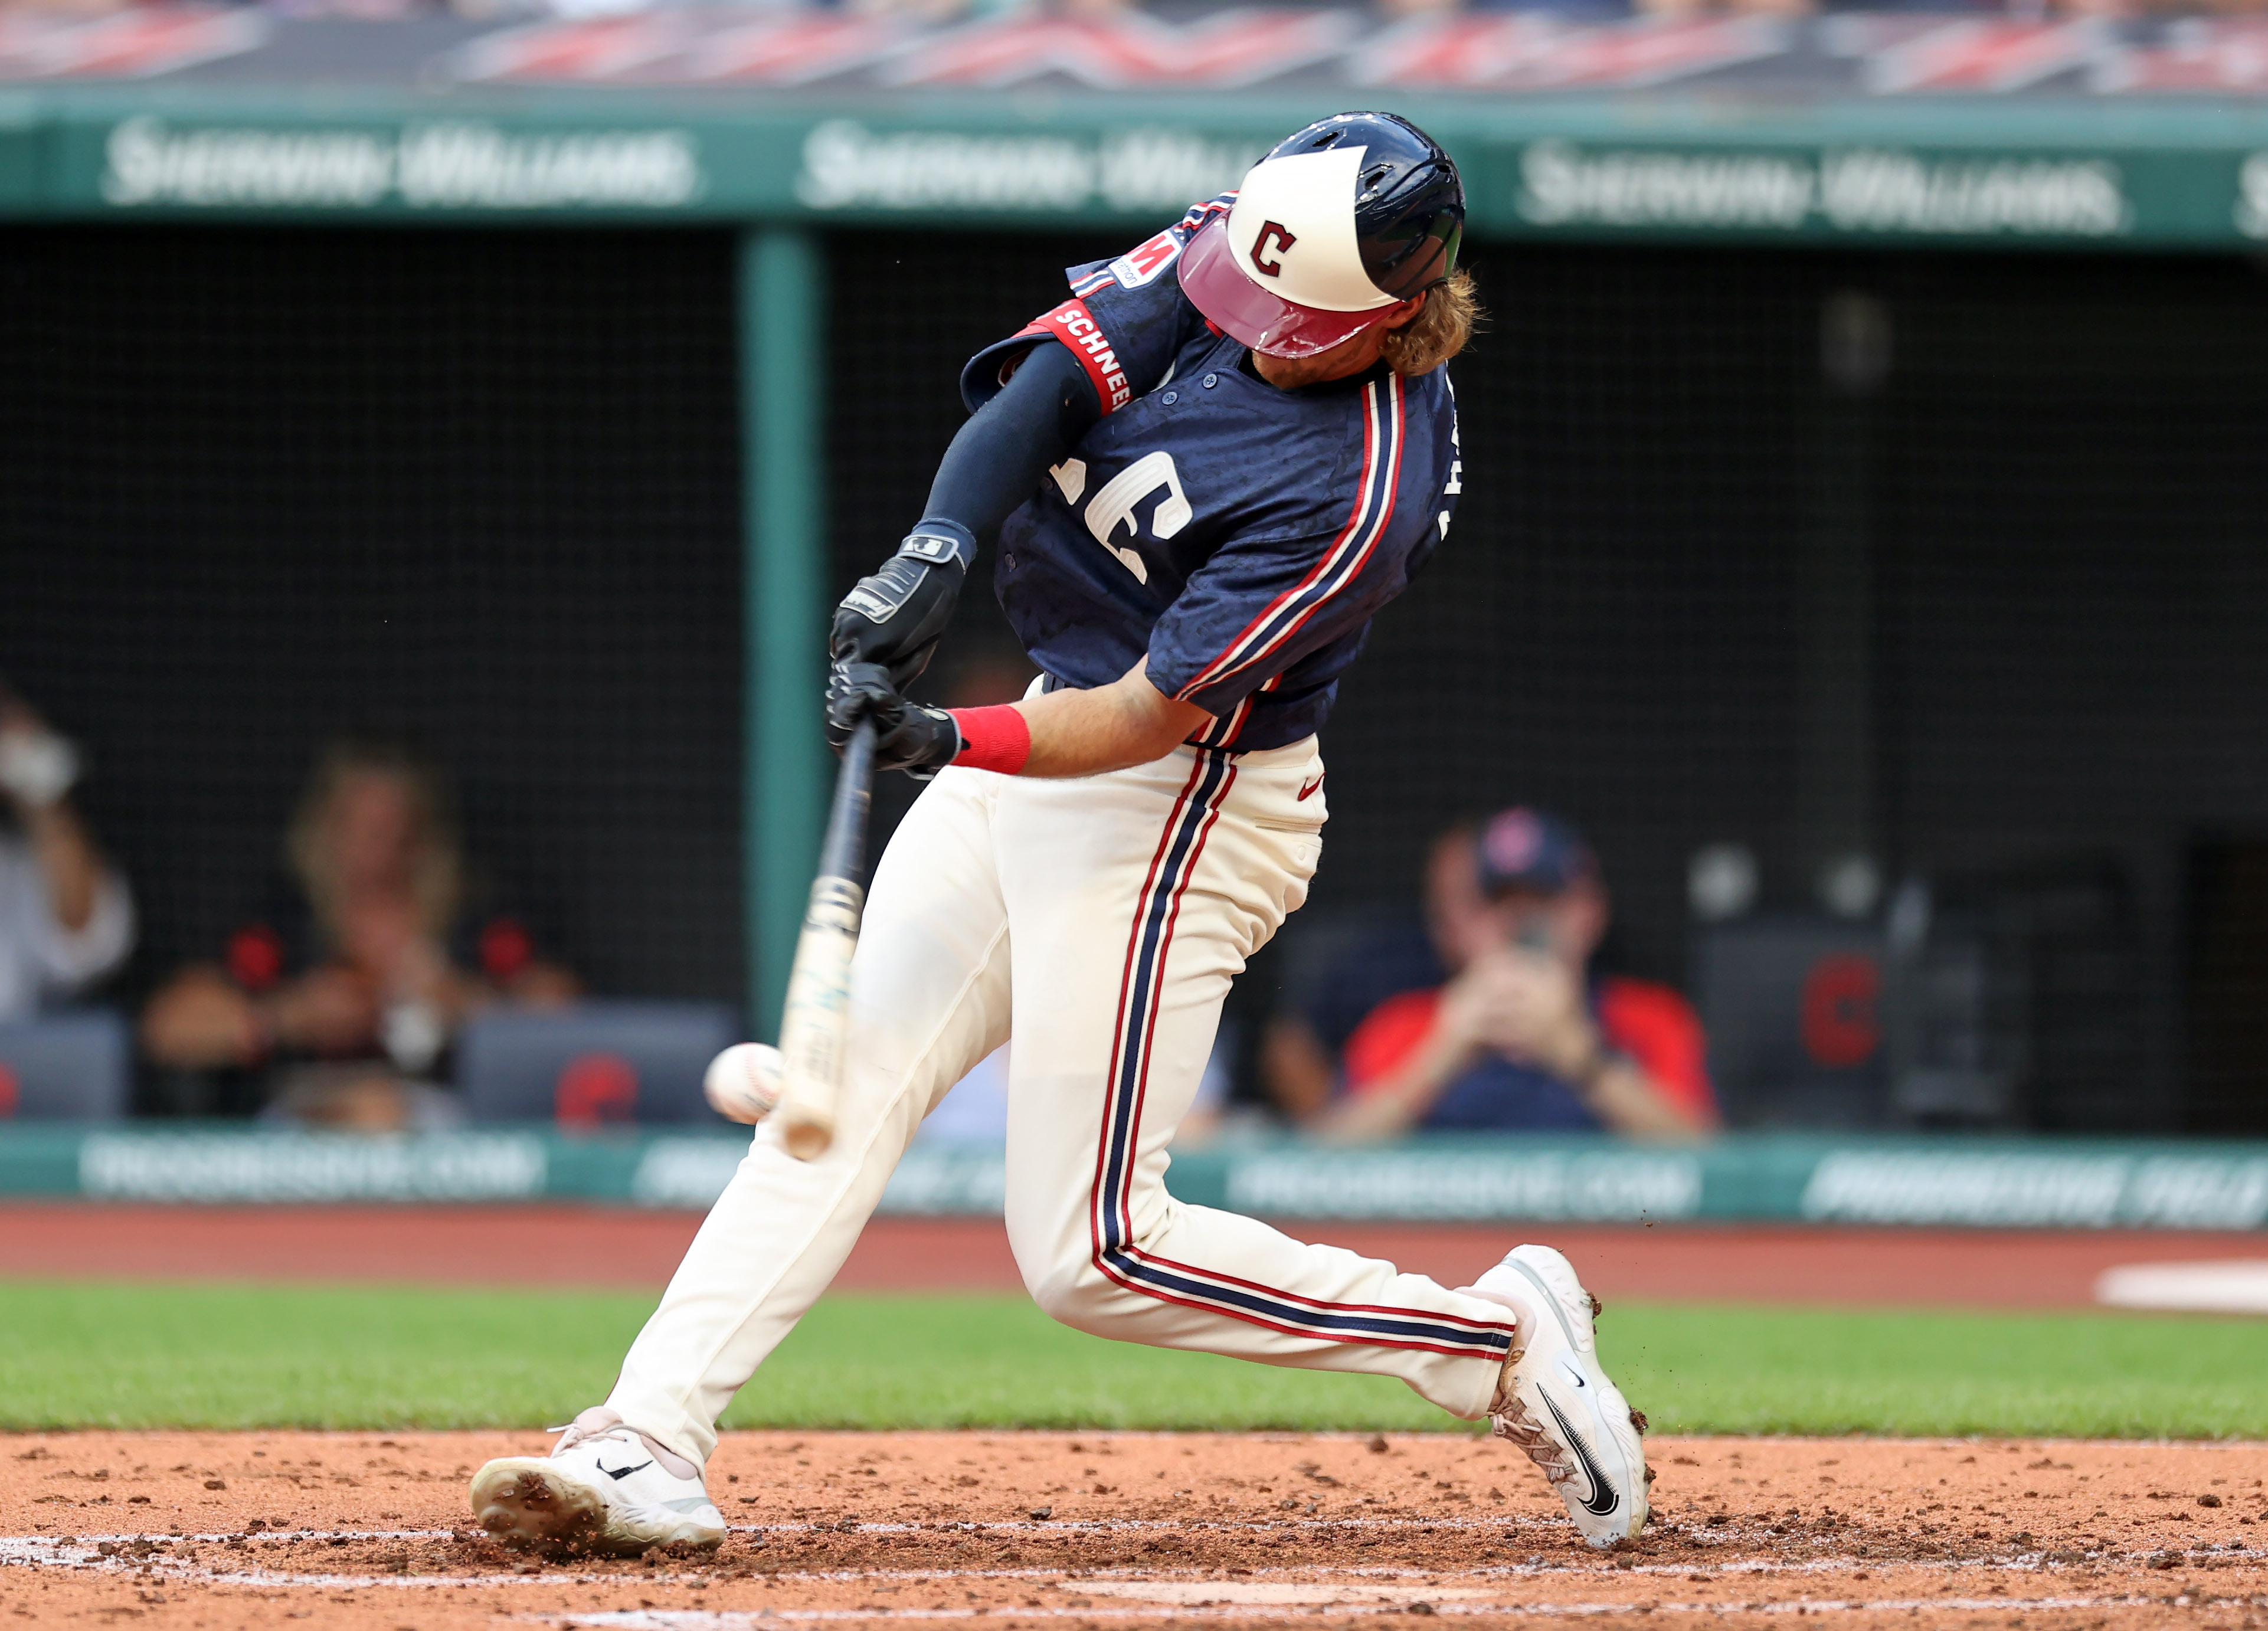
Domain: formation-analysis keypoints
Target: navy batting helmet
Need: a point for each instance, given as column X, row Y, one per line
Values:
column 1335, row 227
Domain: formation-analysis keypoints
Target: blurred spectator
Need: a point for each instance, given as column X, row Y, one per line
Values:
column 991, row 10
column 1683, row 10
column 66, row 919
column 1507, row 1028
column 354, row 984
column 61, row 10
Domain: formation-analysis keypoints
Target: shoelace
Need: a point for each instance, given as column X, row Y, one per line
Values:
column 1513, row 1421
column 1518, row 1425
column 572, row 1434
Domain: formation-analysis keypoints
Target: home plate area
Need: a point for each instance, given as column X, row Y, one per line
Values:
column 214, row 1530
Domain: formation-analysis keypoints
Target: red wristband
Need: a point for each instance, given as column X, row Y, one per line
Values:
column 997, row 739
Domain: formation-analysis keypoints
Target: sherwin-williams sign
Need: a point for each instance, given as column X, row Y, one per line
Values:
column 1140, row 170
column 1880, row 173
column 447, row 165
column 1849, row 190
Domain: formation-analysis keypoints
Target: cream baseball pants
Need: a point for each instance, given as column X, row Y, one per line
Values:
column 1098, row 920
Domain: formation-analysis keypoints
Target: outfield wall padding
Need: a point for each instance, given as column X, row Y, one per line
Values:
column 2063, row 1184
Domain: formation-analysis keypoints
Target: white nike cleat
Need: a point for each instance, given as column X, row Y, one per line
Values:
column 1555, row 1402
column 604, row 1487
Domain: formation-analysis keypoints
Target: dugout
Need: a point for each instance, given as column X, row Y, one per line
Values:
column 1943, row 545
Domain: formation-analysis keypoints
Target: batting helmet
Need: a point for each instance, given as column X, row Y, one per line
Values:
column 1336, row 225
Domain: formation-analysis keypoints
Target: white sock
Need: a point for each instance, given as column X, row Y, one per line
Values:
column 1511, row 1289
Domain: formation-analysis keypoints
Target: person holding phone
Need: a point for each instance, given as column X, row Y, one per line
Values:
column 1521, row 1036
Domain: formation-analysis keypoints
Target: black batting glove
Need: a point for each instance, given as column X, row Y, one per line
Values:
column 853, row 691
column 907, row 736
column 896, row 616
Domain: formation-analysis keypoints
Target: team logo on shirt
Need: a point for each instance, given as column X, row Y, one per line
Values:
column 1142, row 264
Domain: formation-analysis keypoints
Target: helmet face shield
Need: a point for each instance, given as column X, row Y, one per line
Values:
column 1266, row 322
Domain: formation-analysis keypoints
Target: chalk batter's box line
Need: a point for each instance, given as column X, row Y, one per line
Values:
column 739, row 1620
column 1713, row 1535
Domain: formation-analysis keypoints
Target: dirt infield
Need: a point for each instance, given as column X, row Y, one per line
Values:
column 216, row 1531
column 620, row 1247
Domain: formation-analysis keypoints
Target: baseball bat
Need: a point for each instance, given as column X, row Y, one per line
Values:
column 816, row 1026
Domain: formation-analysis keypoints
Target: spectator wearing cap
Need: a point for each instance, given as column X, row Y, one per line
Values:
column 1522, row 1035
column 66, row 920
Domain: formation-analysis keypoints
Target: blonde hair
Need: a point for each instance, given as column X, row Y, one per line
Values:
column 1437, row 333
column 436, row 871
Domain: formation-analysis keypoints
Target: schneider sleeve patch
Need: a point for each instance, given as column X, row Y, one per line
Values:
column 1073, row 325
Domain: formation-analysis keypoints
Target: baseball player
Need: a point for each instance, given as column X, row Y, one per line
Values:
column 1207, row 470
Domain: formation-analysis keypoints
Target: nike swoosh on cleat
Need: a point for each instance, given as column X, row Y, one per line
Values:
column 1308, row 791
column 1603, row 1498
column 642, row 1466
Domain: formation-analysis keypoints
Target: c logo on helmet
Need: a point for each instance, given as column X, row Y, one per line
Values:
column 1284, row 240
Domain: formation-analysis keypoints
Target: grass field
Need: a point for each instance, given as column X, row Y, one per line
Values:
column 109, row 1355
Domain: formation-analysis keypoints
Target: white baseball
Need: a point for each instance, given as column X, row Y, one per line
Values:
column 743, row 1082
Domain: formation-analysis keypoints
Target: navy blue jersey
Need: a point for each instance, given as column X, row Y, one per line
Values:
column 1239, row 535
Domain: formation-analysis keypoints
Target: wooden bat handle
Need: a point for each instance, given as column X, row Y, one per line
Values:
column 843, row 854
column 815, row 1028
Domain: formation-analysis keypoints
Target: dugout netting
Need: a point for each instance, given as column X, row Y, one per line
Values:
column 1954, row 557
column 479, row 489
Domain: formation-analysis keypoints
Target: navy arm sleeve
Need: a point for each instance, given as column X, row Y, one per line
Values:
column 1000, row 455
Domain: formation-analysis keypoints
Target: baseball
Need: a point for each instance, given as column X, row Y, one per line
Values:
column 743, row 1082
